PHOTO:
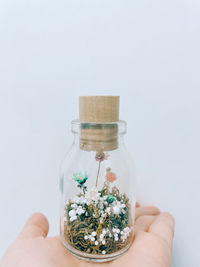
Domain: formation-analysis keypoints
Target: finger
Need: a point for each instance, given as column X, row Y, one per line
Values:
column 151, row 210
column 143, row 223
column 37, row 225
column 163, row 226
column 137, row 204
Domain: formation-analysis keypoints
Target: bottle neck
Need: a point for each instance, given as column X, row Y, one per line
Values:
column 92, row 145
column 98, row 136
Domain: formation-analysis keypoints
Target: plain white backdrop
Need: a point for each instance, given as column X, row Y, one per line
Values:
column 148, row 52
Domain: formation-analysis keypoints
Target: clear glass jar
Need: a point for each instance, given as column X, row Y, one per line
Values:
column 97, row 187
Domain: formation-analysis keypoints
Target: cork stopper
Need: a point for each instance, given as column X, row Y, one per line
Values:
column 99, row 116
column 98, row 108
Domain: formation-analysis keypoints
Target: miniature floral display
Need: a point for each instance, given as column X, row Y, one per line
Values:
column 97, row 221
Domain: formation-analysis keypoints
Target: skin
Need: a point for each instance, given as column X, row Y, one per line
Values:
column 152, row 245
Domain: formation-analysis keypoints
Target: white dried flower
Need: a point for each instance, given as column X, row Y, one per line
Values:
column 80, row 210
column 77, row 210
column 72, row 215
column 125, row 233
column 76, row 199
column 101, row 206
column 101, row 236
column 94, row 233
column 116, row 209
column 92, row 195
column 104, row 231
column 108, row 210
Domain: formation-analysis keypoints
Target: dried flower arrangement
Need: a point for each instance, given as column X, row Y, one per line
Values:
column 98, row 221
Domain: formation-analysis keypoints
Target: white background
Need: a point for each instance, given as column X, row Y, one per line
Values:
column 148, row 52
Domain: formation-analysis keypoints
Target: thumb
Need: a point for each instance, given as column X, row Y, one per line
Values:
column 36, row 226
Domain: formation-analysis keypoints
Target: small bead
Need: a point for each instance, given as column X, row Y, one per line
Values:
column 103, row 252
column 96, row 243
column 85, row 237
column 103, row 242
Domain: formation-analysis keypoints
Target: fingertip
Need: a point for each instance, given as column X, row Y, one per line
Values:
column 146, row 210
column 155, row 210
column 143, row 223
column 137, row 204
column 40, row 220
column 39, row 217
column 169, row 218
column 37, row 225
column 163, row 226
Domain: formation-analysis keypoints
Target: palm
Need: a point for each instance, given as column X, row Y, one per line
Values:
column 151, row 246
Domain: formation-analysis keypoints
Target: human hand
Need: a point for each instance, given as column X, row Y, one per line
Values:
column 151, row 247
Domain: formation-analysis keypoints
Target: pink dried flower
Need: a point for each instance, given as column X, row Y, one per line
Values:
column 111, row 177
column 100, row 156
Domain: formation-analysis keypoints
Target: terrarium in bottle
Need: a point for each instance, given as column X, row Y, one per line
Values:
column 97, row 183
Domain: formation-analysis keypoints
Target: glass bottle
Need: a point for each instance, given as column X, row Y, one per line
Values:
column 97, row 184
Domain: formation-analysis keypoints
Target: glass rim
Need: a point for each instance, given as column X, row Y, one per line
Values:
column 77, row 125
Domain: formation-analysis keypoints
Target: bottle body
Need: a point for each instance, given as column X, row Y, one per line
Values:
column 98, row 199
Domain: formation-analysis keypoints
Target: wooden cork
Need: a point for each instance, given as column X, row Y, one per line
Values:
column 98, row 115
column 98, row 108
